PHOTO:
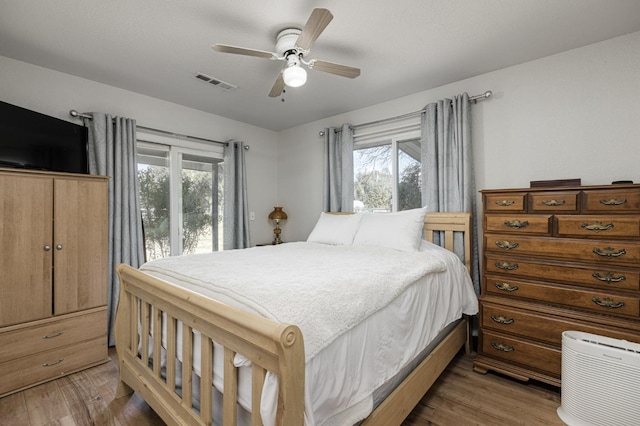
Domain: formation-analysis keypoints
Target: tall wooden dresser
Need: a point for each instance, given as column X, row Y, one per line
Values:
column 53, row 259
column 556, row 259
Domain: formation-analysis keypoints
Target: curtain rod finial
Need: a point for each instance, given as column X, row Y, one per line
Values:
column 73, row 113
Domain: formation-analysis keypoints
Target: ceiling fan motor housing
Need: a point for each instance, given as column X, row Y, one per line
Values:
column 286, row 41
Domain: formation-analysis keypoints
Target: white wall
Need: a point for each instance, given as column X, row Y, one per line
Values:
column 571, row 115
column 54, row 93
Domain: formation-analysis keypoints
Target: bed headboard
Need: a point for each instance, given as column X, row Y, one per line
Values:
column 450, row 223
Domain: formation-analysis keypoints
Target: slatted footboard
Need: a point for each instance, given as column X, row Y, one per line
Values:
column 270, row 346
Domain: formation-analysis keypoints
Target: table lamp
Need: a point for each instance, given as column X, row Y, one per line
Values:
column 277, row 216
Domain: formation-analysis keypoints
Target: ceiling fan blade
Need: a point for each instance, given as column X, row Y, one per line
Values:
column 225, row 48
column 315, row 25
column 333, row 68
column 278, row 87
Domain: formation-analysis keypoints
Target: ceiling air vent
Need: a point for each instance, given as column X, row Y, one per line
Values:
column 215, row 82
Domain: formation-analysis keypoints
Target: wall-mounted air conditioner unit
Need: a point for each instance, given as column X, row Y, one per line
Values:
column 600, row 381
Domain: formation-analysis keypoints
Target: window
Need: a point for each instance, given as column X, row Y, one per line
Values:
column 181, row 199
column 387, row 174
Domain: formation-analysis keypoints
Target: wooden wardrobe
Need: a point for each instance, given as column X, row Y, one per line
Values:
column 53, row 285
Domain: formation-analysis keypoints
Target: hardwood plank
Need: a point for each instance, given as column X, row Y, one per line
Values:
column 65, row 421
column 85, row 403
column 13, row 410
column 45, row 403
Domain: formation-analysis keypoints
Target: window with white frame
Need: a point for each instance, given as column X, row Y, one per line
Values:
column 181, row 194
column 387, row 172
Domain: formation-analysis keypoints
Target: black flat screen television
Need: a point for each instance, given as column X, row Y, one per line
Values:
column 31, row 140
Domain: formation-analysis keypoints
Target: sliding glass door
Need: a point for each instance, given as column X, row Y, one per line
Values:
column 181, row 199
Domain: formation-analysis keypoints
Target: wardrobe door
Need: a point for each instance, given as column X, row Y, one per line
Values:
column 26, row 206
column 80, row 245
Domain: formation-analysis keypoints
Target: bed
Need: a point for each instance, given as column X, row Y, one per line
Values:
column 212, row 358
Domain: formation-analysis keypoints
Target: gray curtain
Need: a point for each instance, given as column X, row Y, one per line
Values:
column 338, row 170
column 236, row 210
column 112, row 152
column 447, row 166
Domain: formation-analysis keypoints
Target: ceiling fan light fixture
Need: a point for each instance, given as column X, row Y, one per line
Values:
column 294, row 75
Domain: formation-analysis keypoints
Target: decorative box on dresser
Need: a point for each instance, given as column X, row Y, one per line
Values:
column 556, row 259
column 53, row 258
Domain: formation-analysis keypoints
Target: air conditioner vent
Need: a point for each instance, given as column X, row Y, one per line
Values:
column 215, row 82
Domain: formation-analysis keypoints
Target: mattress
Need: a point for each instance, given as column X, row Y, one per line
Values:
column 346, row 377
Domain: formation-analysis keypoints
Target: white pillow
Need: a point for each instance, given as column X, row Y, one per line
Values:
column 336, row 229
column 400, row 231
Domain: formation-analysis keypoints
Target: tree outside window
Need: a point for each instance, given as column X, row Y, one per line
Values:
column 200, row 195
column 388, row 177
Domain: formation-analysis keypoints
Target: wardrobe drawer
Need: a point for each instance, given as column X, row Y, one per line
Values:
column 626, row 200
column 45, row 336
column 606, row 251
column 592, row 300
column 519, row 351
column 554, row 201
column 49, row 365
column 598, row 226
column 506, row 202
column 602, row 277
column 519, row 224
column 542, row 327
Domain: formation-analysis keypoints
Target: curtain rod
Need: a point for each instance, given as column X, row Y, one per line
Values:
column 77, row 114
column 472, row 99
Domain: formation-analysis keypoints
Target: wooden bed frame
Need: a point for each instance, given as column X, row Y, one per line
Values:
column 269, row 345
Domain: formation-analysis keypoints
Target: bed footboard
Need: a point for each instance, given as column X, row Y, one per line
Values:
column 146, row 301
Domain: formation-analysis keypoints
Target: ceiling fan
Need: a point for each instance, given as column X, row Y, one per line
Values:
column 292, row 44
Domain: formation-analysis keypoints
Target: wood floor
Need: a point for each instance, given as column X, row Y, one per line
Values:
column 459, row 397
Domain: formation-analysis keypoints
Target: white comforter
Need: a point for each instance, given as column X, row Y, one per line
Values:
column 327, row 291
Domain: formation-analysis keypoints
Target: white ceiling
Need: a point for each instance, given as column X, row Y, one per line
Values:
column 155, row 47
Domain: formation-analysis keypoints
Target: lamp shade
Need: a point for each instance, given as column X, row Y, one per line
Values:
column 277, row 215
column 294, row 76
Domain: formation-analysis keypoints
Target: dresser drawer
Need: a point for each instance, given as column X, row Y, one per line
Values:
column 553, row 201
column 47, row 335
column 44, row 366
column 519, row 351
column 519, row 224
column 512, row 202
column 598, row 226
column 626, row 200
column 592, row 300
column 602, row 277
column 604, row 251
column 542, row 327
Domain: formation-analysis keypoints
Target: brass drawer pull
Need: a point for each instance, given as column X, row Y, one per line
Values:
column 50, row 364
column 502, row 347
column 516, row 224
column 51, row 336
column 501, row 319
column 613, row 202
column 608, row 302
column 608, row 277
column 507, row 245
column 553, row 203
column 506, row 287
column 597, row 226
column 505, row 203
column 506, row 266
column 609, row 252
